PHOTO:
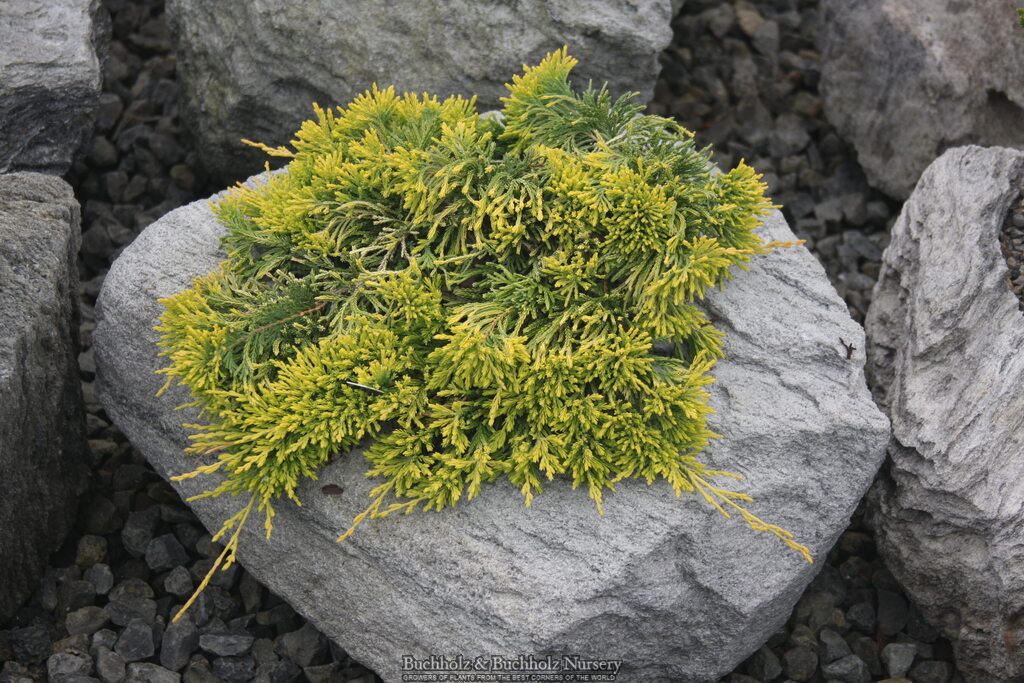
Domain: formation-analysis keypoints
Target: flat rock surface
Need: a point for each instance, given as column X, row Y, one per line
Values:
column 888, row 64
column 42, row 419
column 49, row 81
column 252, row 69
column 945, row 358
column 665, row 584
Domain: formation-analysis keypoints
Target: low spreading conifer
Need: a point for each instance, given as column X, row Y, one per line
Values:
column 478, row 296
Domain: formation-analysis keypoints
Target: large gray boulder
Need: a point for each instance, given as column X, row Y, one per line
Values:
column 904, row 80
column 50, row 77
column 665, row 584
column 42, row 420
column 945, row 360
column 252, row 69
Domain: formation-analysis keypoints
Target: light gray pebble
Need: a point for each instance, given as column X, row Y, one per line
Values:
column 764, row 665
column 234, row 669
column 105, row 637
column 862, row 617
column 800, row 663
column 866, row 648
column 931, row 671
column 789, row 136
column 857, row 281
column 898, row 658
column 136, row 641
column 129, row 607
column 286, row 671
column 720, row 19
column 849, row 669
column 855, row 208
column 92, row 549
column 146, row 672
column 304, row 646
column 100, row 577
column 72, row 595
column 892, row 612
column 165, row 552
column 63, row 664
column 225, row 644
column 199, row 672
column 207, row 547
column 139, row 529
column 829, row 210
column 110, row 666
column 86, row 621
column 833, row 646
column 325, row 673
column 766, row 40
column 179, row 582
column 865, row 248
column 134, row 587
column 263, row 651
column 748, row 17
column 180, row 640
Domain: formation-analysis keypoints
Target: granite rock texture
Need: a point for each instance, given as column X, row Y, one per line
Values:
column 252, row 69
column 666, row 584
column 50, row 77
column 945, row 361
column 42, row 418
column 904, row 80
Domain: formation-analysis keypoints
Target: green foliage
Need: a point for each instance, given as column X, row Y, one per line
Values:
column 480, row 297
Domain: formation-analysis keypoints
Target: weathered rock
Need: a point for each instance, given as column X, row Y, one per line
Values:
column 49, row 81
column 42, row 419
column 64, row 664
column 945, row 359
column 252, row 69
column 136, row 641
column 495, row 576
column 144, row 672
column 225, row 644
column 898, row 657
column 86, row 620
column 110, row 666
column 179, row 642
column 904, row 80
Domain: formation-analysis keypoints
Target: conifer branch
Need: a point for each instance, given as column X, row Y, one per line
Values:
column 479, row 298
column 226, row 557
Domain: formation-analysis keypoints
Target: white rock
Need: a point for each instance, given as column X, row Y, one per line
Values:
column 665, row 584
column 945, row 358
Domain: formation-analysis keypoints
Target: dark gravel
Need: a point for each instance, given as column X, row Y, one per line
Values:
column 744, row 77
column 1012, row 242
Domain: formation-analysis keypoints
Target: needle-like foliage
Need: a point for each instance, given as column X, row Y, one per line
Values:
column 481, row 296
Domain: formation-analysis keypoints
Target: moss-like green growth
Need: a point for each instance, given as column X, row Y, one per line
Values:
column 481, row 296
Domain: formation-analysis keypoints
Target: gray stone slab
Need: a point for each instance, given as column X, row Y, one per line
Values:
column 904, row 80
column 945, row 359
column 666, row 584
column 42, row 419
column 252, row 69
column 50, row 78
